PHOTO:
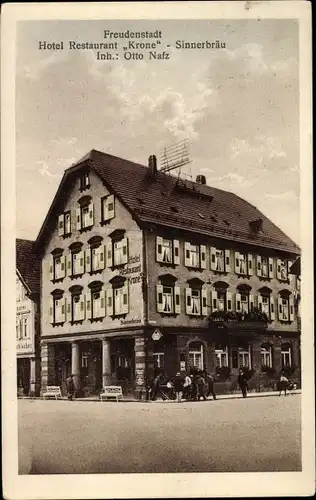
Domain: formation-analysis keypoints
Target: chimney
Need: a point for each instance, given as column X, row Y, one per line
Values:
column 152, row 164
column 201, row 179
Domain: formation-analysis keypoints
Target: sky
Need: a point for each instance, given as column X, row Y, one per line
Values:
column 238, row 106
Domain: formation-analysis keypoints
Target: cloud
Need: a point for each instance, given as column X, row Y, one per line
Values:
column 284, row 196
column 44, row 170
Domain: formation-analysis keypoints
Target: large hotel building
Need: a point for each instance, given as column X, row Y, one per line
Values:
column 141, row 269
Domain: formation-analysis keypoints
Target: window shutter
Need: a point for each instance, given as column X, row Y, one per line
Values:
column 214, row 300
column 109, row 301
column 227, row 261
column 258, row 265
column 109, row 254
column 124, row 250
column 176, row 252
column 69, row 264
column 177, row 305
column 213, row 258
column 81, row 262
column 237, row 263
column 204, row 302
column 278, row 269
column 251, row 302
column 250, row 268
column 229, row 301
column 260, row 302
column 63, row 310
column 78, row 218
column 291, row 304
column 51, row 311
column 187, row 252
column 88, row 302
column 159, row 292
column 88, row 259
column 188, row 300
column 102, row 256
column 110, row 213
column 159, row 249
column 61, row 225
column 68, row 308
column 82, row 307
column 203, row 256
column 270, row 267
column 272, row 309
column 91, row 214
column 280, row 308
column 102, row 303
column 125, row 299
column 62, row 266
column 51, row 267
column 238, row 302
column 289, row 265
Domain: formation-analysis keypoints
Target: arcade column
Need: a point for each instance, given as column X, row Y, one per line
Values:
column 75, row 364
column 47, row 365
column 106, row 363
column 32, row 376
column 140, row 367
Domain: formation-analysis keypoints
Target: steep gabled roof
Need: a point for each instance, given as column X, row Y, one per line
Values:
column 28, row 264
column 166, row 200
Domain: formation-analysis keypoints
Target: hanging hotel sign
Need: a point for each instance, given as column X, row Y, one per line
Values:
column 156, row 334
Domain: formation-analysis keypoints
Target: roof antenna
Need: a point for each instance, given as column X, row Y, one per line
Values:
column 175, row 156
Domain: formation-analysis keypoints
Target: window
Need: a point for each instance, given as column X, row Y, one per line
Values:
column 244, row 302
column 77, row 259
column 120, row 301
column 18, row 291
column 84, row 360
column 266, row 355
column 266, row 305
column 167, row 251
column 97, row 304
column 220, row 260
column 25, row 328
column 159, row 359
column 77, row 306
column 286, row 355
column 57, row 311
column 221, row 300
column 120, row 252
column 244, row 358
column 107, row 208
column 84, row 181
column 18, row 329
column 221, row 356
column 286, row 308
column 196, row 301
column 168, row 299
column 282, row 272
column 243, row 263
column 196, row 355
column 195, row 255
column 57, row 265
column 263, row 266
column 85, row 214
column 64, row 224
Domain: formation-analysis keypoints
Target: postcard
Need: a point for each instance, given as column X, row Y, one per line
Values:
column 157, row 258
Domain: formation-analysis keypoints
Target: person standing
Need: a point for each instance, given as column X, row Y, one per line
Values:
column 155, row 390
column 200, row 381
column 187, row 386
column 242, row 381
column 70, row 387
column 210, row 384
column 178, row 386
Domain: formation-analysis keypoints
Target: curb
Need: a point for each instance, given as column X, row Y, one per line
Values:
column 218, row 398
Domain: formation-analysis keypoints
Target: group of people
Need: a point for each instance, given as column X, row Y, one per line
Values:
column 191, row 386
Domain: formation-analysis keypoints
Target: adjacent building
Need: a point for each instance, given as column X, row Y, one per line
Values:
column 27, row 318
column 145, row 270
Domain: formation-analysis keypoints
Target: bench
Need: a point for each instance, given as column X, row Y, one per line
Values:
column 52, row 391
column 112, row 391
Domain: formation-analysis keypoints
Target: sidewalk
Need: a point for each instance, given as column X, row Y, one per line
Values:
column 130, row 399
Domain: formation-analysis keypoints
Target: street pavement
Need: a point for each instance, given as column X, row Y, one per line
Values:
column 231, row 435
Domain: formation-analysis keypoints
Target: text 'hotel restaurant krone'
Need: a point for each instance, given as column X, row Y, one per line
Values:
column 135, row 270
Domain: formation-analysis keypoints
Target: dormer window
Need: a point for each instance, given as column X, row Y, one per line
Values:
column 84, row 181
column 256, row 226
